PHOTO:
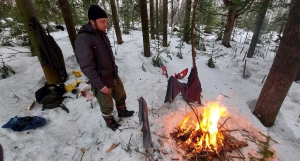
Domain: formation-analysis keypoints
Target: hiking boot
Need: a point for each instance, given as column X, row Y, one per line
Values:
column 111, row 122
column 123, row 112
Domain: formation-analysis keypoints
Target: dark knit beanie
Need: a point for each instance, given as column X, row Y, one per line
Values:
column 96, row 12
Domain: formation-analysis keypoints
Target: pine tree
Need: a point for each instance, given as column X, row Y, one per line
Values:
column 116, row 21
column 259, row 22
column 283, row 71
column 27, row 12
column 235, row 9
column 186, row 23
column 145, row 28
column 193, row 33
column 152, row 31
column 165, row 23
column 66, row 12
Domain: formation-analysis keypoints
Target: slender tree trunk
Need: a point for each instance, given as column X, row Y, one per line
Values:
column 118, row 6
column 132, row 20
column 1, row 153
column 165, row 23
column 152, row 20
column 66, row 12
column 298, row 76
column 156, row 23
column 27, row 12
column 259, row 22
column 283, row 71
column 186, row 30
column 229, row 27
column 193, row 33
column 116, row 21
column 144, row 17
column 172, row 13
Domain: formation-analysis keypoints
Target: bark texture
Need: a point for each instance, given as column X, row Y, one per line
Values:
column 259, row 22
column 232, row 14
column 165, row 23
column 186, row 30
column 116, row 21
column 193, row 33
column 66, row 12
column 145, row 28
column 283, row 71
column 152, row 31
column 27, row 12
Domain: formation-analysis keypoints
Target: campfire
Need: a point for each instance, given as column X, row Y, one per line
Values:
column 203, row 137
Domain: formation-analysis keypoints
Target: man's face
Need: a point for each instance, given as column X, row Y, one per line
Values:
column 100, row 24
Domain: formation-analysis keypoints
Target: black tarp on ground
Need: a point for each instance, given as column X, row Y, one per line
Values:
column 143, row 117
column 50, row 52
column 191, row 91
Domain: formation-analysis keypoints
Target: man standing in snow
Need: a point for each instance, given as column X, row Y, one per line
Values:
column 97, row 62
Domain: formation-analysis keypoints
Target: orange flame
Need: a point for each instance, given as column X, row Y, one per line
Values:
column 210, row 139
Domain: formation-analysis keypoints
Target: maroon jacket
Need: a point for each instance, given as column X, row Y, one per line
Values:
column 95, row 57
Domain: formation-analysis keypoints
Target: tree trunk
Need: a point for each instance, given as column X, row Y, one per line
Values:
column 118, row 6
column 186, row 30
column 152, row 20
column 116, row 21
column 27, row 12
column 172, row 13
column 259, row 22
column 165, row 23
column 283, row 71
column 229, row 27
column 1, row 153
column 144, row 17
column 66, row 12
column 156, row 18
column 132, row 20
column 193, row 33
column 298, row 76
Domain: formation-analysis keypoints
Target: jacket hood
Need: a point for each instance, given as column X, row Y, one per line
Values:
column 88, row 28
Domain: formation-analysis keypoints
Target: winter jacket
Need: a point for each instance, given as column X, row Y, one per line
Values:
column 95, row 57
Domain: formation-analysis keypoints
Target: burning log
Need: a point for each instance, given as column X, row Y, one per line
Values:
column 204, row 140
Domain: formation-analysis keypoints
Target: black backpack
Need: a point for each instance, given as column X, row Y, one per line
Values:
column 51, row 96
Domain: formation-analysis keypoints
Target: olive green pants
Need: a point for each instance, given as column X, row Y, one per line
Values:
column 106, row 100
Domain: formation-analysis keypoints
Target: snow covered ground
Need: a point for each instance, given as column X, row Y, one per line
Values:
column 82, row 134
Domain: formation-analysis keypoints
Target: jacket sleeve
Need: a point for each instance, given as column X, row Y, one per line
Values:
column 116, row 67
column 86, row 60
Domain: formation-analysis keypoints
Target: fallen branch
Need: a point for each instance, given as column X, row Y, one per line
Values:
column 15, row 96
column 224, row 95
column 97, row 143
column 136, row 122
column 224, row 122
column 83, row 151
column 263, row 79
column 244, row 73
column 77, row 118
column 30, row 105
column 128, row 145
column 112, row 147
column 176, row 150
column 75, row 153
column 195, row 112
column 245, row 55
column 163, row 136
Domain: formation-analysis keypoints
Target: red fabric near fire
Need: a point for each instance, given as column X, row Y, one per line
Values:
column 190, row 91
